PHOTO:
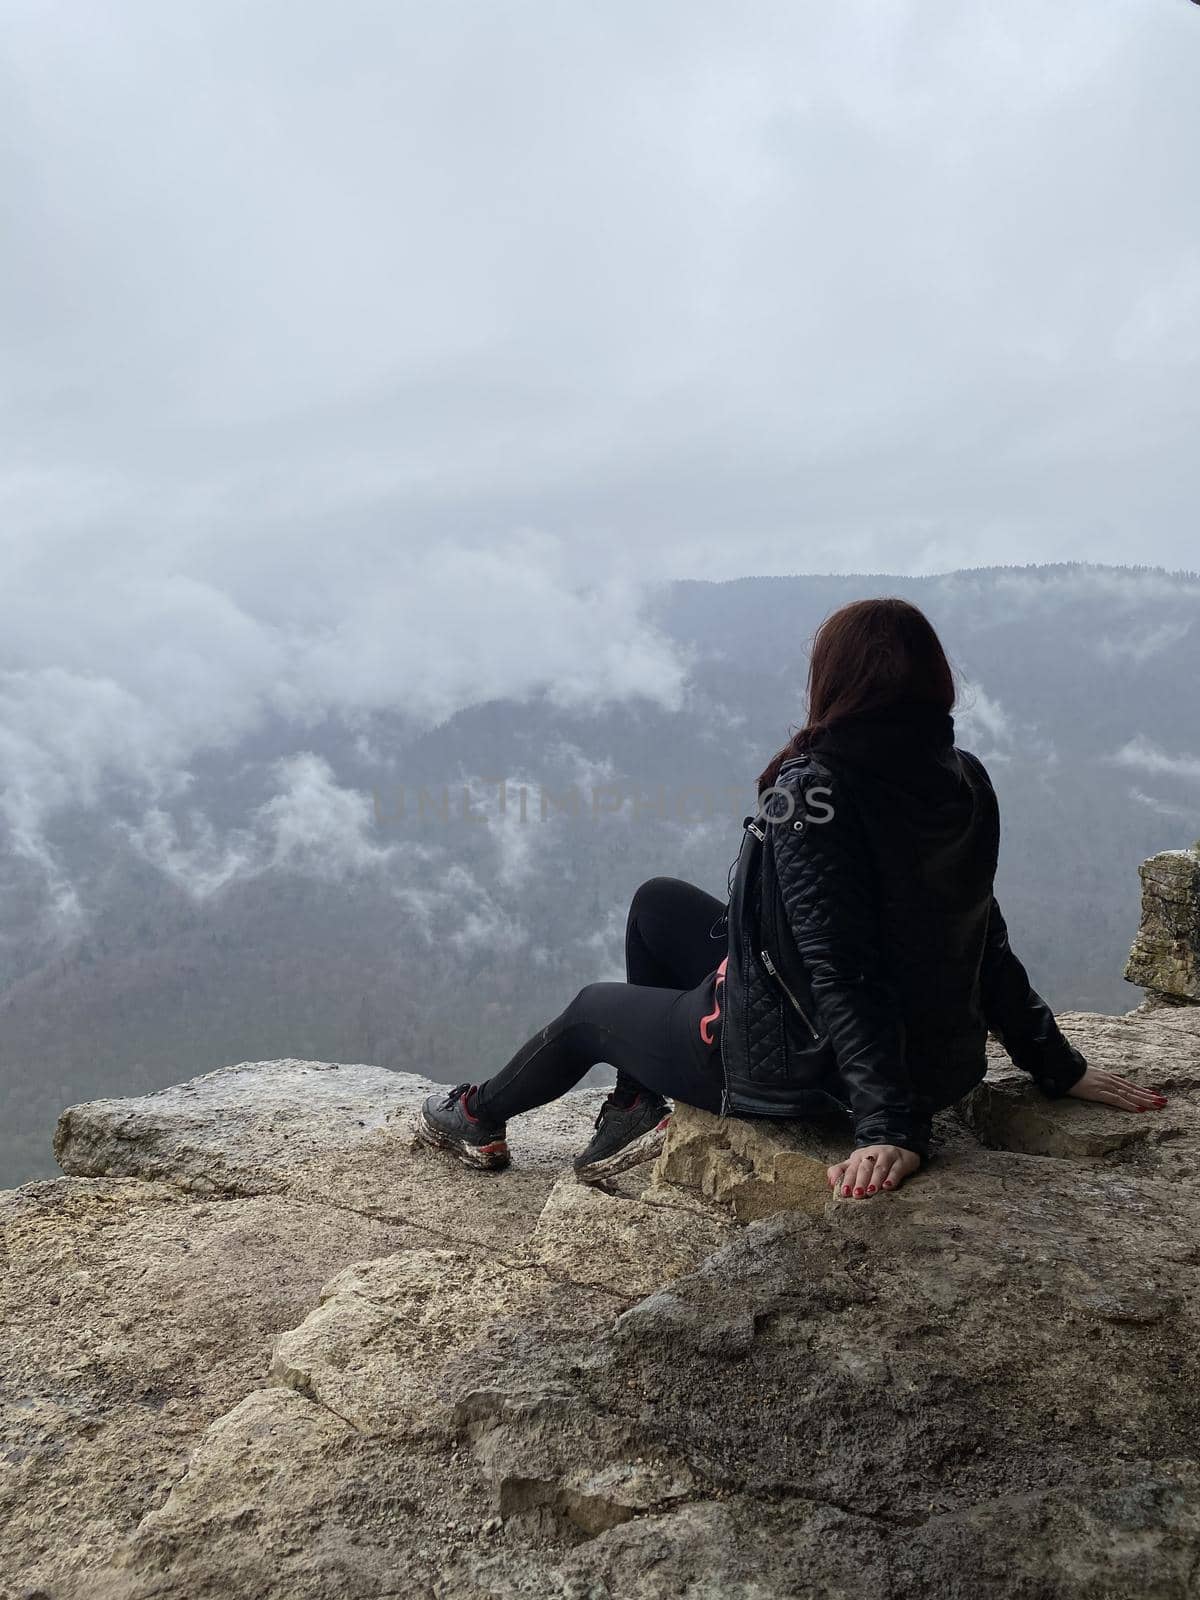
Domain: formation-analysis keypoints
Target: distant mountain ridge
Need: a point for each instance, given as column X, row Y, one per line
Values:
column 281, row 906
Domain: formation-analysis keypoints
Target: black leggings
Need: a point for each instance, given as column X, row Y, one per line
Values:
column 648, row 1028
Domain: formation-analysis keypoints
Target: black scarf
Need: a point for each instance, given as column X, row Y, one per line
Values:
column 908, row 745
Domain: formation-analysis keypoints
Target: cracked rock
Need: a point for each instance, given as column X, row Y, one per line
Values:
column 302, row 1361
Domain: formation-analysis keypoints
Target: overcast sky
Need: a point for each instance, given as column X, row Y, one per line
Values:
column 374, row 351
column 882, row 285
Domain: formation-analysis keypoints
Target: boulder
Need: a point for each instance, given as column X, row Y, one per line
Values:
column 1165, row 957
column 240, row 1128
column 752, row 1167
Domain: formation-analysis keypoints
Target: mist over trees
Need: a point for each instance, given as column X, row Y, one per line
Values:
column 359, row 887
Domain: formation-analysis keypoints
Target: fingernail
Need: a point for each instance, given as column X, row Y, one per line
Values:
column 870, row 1188
column 888, row 1184
column 846, row 1189
column 858, row 1191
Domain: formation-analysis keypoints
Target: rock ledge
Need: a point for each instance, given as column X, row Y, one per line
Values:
column 258, row 1344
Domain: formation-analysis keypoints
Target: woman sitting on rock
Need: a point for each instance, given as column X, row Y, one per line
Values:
column 865, row 958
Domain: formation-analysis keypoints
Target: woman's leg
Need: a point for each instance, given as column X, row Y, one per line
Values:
column 649, row 1033
column 675, row 935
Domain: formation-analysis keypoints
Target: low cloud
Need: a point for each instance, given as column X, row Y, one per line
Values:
column 125, row 702
column 1163, row 809
column 315, row 827
column 980, row 719
column 1143, row 644
column 311, row 825
column 1145, row 756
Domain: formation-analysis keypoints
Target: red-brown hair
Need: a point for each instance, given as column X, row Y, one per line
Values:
column 865, row 657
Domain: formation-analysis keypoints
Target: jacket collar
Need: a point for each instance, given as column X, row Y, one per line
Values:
column 907, row 736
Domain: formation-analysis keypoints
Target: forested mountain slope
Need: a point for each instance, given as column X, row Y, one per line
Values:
column 295, row 898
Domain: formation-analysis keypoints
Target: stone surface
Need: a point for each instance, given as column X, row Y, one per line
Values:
column 754, row 1167
column 135, row 1310
column 1156, row 1046
column 629, row 1242
column 371, row 1372
column 243, row 1127
column 1166, row 952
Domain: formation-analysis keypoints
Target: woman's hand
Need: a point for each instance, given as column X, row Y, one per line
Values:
column 1110, row 1090
column 874, row 1167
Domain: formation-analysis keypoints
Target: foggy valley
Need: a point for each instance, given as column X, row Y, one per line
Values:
column 290, row 893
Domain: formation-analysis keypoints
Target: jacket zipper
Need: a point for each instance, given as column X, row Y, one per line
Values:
column 770, row 966
column 760, row 834
column 724, row 1112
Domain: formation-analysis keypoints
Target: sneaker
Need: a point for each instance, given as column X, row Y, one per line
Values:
column 447, row 1122
column 626, row 1135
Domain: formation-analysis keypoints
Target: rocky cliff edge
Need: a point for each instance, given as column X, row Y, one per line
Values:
column 256, row 1344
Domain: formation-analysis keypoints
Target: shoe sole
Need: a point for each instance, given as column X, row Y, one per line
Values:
column 492, row 1157
column 646, row 1147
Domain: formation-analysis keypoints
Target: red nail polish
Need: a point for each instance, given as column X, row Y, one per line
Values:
column 870, row 1188
column 858, row 1191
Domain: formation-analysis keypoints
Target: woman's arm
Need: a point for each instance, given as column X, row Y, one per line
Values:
column 830, row 894
column 1018, row 1016
column 1026, row 1027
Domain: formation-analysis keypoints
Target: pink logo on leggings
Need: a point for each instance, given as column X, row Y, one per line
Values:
column 706, row 1032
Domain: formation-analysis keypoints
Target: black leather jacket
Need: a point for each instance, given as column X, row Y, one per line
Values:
column 868, row 958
